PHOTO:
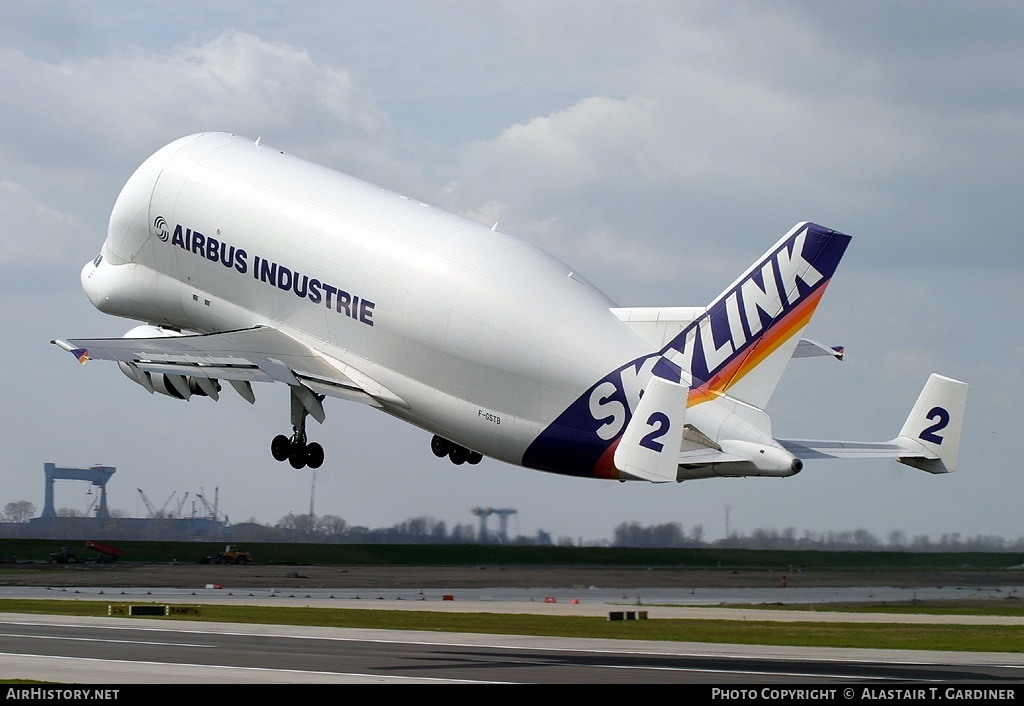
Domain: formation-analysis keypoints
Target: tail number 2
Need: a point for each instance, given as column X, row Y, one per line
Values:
column 661, row 423
column 930, row 433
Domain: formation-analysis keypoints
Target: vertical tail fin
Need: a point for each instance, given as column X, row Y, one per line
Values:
column 742, row 345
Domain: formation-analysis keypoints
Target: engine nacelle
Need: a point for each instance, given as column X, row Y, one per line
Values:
column 151, row 331
column 180, row 387
column 767, row 459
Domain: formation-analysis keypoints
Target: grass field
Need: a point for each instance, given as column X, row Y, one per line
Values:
column 968, row 638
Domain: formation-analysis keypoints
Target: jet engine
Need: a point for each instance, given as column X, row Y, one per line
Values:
column 180, row 387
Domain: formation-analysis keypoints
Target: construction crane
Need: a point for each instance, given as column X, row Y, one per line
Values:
column 149, row 505
column 163, row 508
column 181, row 504
column 211, row 511
column 96, row 475
column 503, row 514
column 92, row 504
column 484, row 512
column 153, row 512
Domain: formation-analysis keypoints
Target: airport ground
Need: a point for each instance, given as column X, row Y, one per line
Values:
column 395, row 655
column 284, row 576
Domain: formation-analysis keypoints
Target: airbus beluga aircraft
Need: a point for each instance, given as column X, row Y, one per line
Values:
column 245, row 264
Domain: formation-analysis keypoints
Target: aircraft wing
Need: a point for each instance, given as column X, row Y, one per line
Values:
column 259, row 354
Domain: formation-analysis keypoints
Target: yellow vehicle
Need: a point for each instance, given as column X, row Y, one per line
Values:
column 231, row 555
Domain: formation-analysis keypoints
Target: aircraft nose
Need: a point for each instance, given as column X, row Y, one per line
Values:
column 90, row 280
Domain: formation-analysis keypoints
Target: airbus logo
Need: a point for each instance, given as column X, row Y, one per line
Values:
column 160, row 228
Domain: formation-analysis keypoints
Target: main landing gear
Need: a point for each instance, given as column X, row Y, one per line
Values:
column 455, row 453
column 296, row 450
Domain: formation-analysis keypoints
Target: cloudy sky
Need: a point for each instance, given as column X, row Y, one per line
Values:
column 658, row 147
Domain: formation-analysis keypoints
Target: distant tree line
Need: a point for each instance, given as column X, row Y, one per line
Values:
column 417, row 530
column 427, row 530
column 672, row 534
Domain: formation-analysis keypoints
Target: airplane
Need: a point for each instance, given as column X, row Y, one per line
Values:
column 246, row 264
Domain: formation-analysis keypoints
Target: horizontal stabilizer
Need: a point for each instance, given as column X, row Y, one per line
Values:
column 659, row 325
column 649, row 447
column 929, row 440
column 807, row 348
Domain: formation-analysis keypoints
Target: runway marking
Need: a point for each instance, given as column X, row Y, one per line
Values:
column 716, row 672
column 756, row 673
column 149, row 663
column 98, row 639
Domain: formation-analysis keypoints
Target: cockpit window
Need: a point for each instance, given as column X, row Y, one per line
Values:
column 98, row 259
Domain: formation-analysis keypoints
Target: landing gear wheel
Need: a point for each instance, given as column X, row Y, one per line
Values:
column 280, row 447
column 474, row 458
column 458, row 455
column 295, row 450
column 297, row 457
column 314, row 455
column 440, row 447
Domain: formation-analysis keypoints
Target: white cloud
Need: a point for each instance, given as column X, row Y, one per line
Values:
column 551, row 158
column 34, row 233
column 121, row 106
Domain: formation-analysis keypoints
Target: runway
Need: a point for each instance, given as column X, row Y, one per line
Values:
column 140, row 651
column 116, row 651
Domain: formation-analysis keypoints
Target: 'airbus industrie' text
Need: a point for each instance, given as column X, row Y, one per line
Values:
column 264, row 270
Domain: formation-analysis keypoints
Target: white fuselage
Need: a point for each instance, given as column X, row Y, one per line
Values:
column 304, row 276
column 485, row 338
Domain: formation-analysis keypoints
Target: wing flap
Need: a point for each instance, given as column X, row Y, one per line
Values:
column 213, row 372
column 242, row 348
column 259, row 354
